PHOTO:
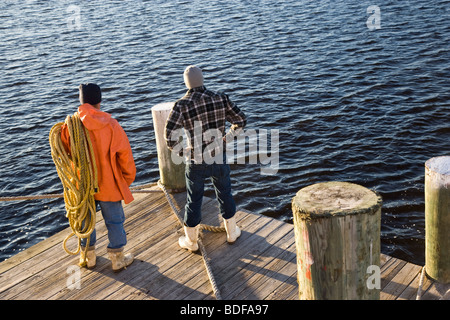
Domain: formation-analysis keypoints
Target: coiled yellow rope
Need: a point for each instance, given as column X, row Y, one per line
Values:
column 78, row 174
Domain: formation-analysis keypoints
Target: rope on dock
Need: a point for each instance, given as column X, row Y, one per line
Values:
column 36, row 197
column 137, row 189
column 200, row 243
column 419, row 290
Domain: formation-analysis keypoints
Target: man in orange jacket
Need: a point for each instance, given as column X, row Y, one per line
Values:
column 116, row 171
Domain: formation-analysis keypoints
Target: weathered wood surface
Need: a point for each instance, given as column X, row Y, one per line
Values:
column 260, row 265
column 172, row 174
column 257, row 266
column 437, row 218
column 337, row 229
column 400, row 281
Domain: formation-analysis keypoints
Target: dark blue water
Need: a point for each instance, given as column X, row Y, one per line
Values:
column 351, row 104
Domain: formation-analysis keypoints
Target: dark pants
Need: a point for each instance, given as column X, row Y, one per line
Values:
column 195, row 185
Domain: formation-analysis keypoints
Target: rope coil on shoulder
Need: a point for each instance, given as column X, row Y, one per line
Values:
column 78, row 175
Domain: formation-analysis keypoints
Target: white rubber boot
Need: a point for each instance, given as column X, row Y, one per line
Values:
column 233, row 231
column 190, row 238
column 119, row 260
column 88, row 258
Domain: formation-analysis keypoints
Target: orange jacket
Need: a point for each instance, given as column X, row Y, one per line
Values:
column 112, row 150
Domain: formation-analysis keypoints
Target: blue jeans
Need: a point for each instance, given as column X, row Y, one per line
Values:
column 114, row 218
column 195, row 185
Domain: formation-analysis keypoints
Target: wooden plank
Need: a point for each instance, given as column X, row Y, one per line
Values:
column 389, row 270
column 138, row 209
column 401, row 281
column 383, row 259
column 433, row 290
column 190, row 266
column 410, row 293
column 41, row 247
column 134, row 278
column 260, row 265
column 255, row 267
column 221, row 253
column 92, row 284
column 124, row 283
column 199, row 280
column 287, row 291
column 230, row 270
column 212, row 241
column 177, row 269
column 155, row 226
column 153, row 252
column 50, row 258
column 276, row 268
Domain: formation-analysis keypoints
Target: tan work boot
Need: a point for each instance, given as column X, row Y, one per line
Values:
column 190, row 238
column 88, row 258
column 119, row 260
column 233, row 231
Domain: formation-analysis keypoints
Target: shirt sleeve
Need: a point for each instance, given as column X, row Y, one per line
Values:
column 174, row 122
column 236, row 117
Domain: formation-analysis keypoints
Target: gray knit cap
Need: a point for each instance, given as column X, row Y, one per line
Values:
column 193, row 77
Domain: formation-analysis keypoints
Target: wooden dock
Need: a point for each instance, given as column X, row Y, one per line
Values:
column 261, row 265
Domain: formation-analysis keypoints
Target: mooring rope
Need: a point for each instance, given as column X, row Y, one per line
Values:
column 419, row 290
column 36, row 197
column 136, row 189
column 200, row 243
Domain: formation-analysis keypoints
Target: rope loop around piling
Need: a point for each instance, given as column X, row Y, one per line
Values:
column 177, row 213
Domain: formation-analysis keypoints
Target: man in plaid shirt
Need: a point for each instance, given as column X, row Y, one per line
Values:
column 203, row 114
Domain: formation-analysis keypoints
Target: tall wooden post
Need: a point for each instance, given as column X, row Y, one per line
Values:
column 337, row 235
column 437, row 218
column 171, row 174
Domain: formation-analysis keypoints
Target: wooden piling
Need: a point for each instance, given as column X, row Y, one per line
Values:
column 171, row 174
column 437, row 218
column 337, row 235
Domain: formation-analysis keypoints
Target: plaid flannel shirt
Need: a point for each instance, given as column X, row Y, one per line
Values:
column 197, row 112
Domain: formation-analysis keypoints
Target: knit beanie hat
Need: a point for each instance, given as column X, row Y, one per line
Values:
column 90, row 93
column 193, row 77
